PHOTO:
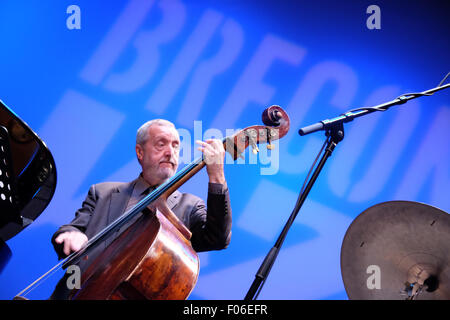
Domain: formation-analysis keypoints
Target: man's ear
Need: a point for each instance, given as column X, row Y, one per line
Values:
column 139, row 152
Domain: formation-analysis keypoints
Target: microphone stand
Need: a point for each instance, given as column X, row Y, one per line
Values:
column 334, row 131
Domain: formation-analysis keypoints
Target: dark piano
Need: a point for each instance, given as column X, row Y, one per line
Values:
column 27, row 177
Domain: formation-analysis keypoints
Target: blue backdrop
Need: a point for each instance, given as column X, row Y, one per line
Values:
column 86, row 91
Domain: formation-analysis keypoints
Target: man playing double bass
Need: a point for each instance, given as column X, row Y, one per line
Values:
column 157, row 150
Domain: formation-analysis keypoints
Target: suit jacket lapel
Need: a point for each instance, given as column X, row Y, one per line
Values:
column 173, row 199
column 119, row 200
column 122, row 194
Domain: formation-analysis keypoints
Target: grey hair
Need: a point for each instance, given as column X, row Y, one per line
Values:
column 142, row 133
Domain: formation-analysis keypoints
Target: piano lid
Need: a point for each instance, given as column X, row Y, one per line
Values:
column 27, row 174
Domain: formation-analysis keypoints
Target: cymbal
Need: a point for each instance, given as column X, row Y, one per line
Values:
column 397, row 250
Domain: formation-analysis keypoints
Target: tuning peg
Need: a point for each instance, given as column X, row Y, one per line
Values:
column 251, row 139
column 269, row 135
column 255, row 149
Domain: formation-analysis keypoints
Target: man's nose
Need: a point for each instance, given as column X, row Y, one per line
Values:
column 170, row 152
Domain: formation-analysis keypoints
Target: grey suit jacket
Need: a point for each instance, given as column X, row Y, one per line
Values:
column 105, row 202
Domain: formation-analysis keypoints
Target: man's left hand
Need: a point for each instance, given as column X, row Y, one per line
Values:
column 214, row 154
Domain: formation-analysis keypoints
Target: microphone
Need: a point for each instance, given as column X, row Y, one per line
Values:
column 326, row 124
column 311, row 128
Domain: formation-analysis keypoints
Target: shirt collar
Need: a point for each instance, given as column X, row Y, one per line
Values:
column 141, row 186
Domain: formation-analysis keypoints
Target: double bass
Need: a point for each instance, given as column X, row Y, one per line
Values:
column 153, row 257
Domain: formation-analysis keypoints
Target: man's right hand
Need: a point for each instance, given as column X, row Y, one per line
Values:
column 73, row 241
